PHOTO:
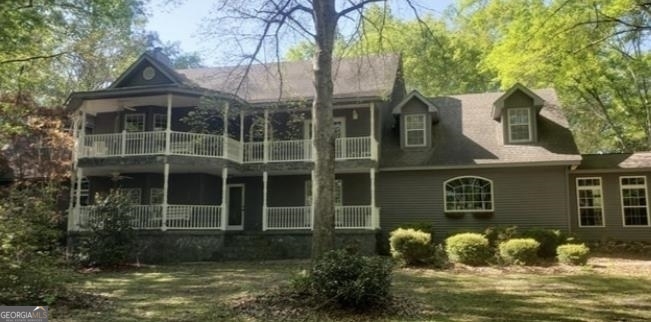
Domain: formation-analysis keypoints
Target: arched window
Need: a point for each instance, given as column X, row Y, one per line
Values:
column 463, row 194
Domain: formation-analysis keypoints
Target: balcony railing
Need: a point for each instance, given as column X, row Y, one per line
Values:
column 151, row 217
column 218, row 146
column 346, row 217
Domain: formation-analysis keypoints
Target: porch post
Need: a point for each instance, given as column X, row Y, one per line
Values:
column 77, row 145
column 225, row 144
column 224, row 198
column 82, row 130
column 312, row 201
column 373, row 145
column 264, row 200
column 168, row 125
column 241, row 135
column 166, row 175
column 265, row 146
column 374, row 219
column 80, row 174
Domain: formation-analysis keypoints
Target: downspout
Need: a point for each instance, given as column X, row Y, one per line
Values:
column 567, row 200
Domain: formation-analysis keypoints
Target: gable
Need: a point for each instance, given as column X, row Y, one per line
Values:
column 517, row 96
column 147, row 71
column 518, row 99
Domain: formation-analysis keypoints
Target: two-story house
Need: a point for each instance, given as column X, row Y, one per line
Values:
column 238, row 185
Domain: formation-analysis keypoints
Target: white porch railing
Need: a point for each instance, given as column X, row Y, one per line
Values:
column 346, row 217
column 151, row 217
column 196, row 144
column 292, row 150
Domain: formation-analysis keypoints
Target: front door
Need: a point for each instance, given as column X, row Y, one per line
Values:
column 235, row 206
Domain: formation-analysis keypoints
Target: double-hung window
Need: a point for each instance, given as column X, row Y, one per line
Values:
column 415, row 130
column 635, row 208
column 160, row 122
column 590, row 202
column 519, row 124
column 134, row 122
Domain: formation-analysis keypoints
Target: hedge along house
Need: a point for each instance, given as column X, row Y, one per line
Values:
column 239, row 186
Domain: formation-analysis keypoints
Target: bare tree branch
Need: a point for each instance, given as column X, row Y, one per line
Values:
column 26, row 59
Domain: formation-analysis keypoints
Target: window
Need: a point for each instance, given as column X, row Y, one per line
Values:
column 634, row 201
column 589, row 198
column 84, row 192
column 156, row 196
column 132, row 195
column 338, row 193
column 134, row 122
column 468, row 194
column 519, row 125
column 160, row 122
column 415, row 130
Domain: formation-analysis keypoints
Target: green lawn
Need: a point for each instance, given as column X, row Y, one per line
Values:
column 605, row 290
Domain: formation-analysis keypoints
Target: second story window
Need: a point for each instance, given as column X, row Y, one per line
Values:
column 415, row 130
column 160, row 122
column 519, row 125
column 134, row 122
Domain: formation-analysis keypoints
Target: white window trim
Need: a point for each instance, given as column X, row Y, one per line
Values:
column 621, row 199
column 151, row 195
column 529, row 124
column 308, row 124
column 125, row 189
column 163, row 116
column 445, row 199
column 424, row 130
column 578, row 202
column 144, row 121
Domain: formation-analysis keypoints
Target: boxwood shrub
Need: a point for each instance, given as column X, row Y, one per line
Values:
column 519, row 251
column 549, row 240
column 573, row 254
column 413, row 247
column 468, row 248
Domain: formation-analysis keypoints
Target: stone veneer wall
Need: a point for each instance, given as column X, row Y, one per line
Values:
column 188, row 246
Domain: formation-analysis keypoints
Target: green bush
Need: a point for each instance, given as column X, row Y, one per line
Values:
column 31, row 263
column 549, row 239
column 422, row 226
column 414, row 247
column 111, row 238
column 349, row 280
column 573, row 254
column 497, row 235
column 468, row 248
column 519, row 251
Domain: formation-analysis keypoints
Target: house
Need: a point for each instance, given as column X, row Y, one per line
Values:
column 218, row 161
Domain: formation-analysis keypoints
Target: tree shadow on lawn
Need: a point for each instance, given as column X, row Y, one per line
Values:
column 525, row 297
column 175, row 293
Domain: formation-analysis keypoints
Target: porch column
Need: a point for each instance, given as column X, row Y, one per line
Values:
column 82, row 130
column 225, row 141
column 168, row 125
column 77, row 210
column 375, row 222
column 265, row 146
column 224, row 198
column 166, row 176
column 373, row 145
column 77, row 146
column 264, row 200
column 312, row 201
column 241, row 135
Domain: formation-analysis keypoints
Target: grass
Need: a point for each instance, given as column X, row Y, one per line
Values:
column 605, row 290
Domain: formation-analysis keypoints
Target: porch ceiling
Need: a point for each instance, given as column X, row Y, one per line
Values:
column 104, row 105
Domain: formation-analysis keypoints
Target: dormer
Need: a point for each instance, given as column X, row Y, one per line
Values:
column 415, row 114
column 517, row 109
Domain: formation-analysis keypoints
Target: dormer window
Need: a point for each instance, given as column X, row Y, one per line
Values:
column 415, row 130
column 519, row 124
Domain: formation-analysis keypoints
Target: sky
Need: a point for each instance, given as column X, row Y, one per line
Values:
column 180, row 21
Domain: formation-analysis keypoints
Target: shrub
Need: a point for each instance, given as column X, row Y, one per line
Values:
column 111, row 238
column 422, row 226
column 349, row 280
column 414, row 247
column 573, row 254
column 468, row 248
column 549, row 239
column 31, row 266
column 497, row 235
column 519, row 251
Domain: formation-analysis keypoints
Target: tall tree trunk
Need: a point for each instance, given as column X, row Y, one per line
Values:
column 323, row 237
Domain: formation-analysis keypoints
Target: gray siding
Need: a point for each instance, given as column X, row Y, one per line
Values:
column 614, row 227
column 526, row 197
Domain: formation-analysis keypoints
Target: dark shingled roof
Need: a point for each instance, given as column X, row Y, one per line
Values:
column 467, row 135
column 638, row 160
column 371, row 76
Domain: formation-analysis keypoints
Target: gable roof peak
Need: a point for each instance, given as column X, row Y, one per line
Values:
column 415, row 94
column 498, row 105
column 158, row 61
